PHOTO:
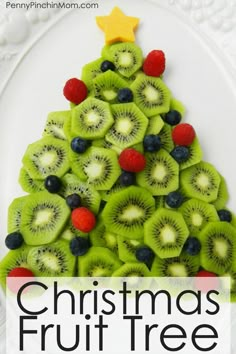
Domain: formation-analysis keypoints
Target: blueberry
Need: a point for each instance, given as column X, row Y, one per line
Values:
column 79, row 145
column 144, row 254
column 192, row 246
column 173, row 117
column 127, row 178
column 225, row 215
column 174, row 199
column 125, row 95
column 180, row 153
column 14, row 240
column 52, row 184
column 152, row 143
column 79, row 246
column 73, row 201
column 107, row 65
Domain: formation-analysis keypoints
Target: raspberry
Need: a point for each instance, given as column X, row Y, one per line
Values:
column 208, row 285
column 154, row 64
column 83, row 219
column 183, row 134
column 75, row 91
column 131, row 160
column 20, row 272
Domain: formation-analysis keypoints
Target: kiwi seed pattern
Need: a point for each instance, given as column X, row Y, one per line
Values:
column 128, row 217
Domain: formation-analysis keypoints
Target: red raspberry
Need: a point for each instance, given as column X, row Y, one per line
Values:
column 20, row 272
column 75, row 91
column 83, row 219
column 131, row 160
column 154, row 64
column 183, row 134
column 208, row 285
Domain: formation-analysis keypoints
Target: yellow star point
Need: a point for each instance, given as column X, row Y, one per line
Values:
column 117, row 26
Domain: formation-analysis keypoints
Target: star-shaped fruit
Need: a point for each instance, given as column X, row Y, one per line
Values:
column 117, row 26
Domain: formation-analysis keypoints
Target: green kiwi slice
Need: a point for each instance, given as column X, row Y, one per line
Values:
column 90, row 198
column 177, row 106
column 13, row 259
column 55, row 124
column 151, row 95
column 182, row 266
column 218, row 247
column 222, row 196
column 129, row 126
column 195, row 155
column 91, row 119
column 132, row 270
column 90, row 71
column 43, row 217
column 117, row 187
column 48, row 156
column 166, row 138
column 161, row 175
column 197, row 214
column 29, row 184
column 127, row 210
column 200, row 181
column 127, row 58
column 98, row 262
column 99, row 166
column 127, row 248
column 70, row 232
column 67, row 127
column 100, row 237
column 107, row 85
column 53, row 260
column 15, row 213
column 165, row 233
column 155, row 125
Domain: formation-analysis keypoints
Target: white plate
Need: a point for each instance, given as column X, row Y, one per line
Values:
column 196, row 73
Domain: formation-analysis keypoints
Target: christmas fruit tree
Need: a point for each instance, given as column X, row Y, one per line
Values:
column 117, row 184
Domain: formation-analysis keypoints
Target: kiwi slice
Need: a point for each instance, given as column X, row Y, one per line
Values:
column 67, row 127
column 117, row 187
column 43, row 217
column 177, row 106
column 218, row 246
column 151, row 95
column 91, row 119
column 132, row 270
column 90, row 198
column 129, row 127
column 161, row 175
column 107, row 85
column 197, row 214
column 98, row 262
column 200, row 181
column 106, row 145
column 155, row 125
column 13, row 259
column 195, row 155
column 55, row 124
column 99, row 166
column 166, row 138
column 165, row 233
column 100, row 237
column 222, row 196
column 70, row 232
column 127, row 210
column 29, row 184
column 14, row 214
column 127, row 248
column 53, row 260
column 127, row 58
column 48, row 156
column 90, row 71
column 182, row 266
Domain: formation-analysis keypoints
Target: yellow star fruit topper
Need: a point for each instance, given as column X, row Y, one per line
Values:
column 117, row 26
